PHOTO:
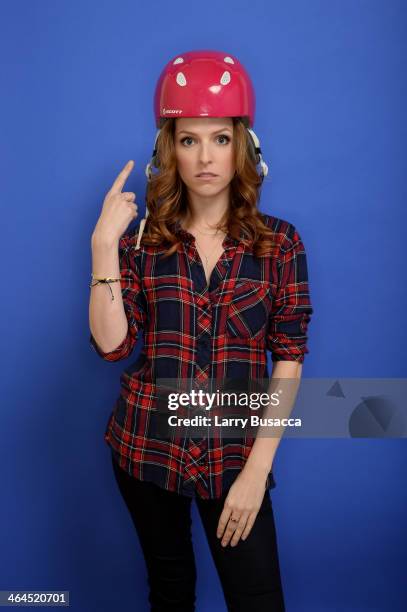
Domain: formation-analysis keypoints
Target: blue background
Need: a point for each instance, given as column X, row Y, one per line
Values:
column 77, row 86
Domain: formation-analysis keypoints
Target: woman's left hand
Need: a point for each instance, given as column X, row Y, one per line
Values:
column 243, row 502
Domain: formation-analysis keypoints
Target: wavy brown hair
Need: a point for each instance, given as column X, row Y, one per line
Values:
column 167, row 198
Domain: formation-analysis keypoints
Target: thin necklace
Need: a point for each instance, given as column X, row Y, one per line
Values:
column 198, row 245
column 204, row 254
column 207, row 234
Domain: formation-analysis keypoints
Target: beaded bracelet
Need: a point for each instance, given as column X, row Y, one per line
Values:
column 108, row 280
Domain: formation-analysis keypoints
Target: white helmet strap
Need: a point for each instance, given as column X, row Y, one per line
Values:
column 257, row 148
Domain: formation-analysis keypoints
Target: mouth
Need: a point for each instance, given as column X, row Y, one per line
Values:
column 206, row 175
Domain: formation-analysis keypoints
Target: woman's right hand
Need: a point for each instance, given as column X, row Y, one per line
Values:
column 119, row 209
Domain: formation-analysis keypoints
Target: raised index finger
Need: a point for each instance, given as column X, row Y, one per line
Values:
column 122, row 177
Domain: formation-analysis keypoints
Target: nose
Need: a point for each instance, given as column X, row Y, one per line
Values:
column 204, row 153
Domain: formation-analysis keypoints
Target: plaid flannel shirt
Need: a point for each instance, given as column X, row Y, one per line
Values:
column 195, row 331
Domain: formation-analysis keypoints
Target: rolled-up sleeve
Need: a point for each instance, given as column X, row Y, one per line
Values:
column 133, row 301
column 291, row 309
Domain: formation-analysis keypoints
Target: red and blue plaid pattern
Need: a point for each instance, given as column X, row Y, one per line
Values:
column 199, row 332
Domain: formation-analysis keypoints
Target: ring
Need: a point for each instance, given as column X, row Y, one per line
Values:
column 234, row 520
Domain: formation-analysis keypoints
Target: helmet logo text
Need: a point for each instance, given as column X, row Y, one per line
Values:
column 172, row 111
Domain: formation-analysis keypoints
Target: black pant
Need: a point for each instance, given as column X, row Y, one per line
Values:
column 249, row 572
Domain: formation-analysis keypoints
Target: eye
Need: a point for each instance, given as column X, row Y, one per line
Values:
column 186, row 138
column 182, row 140
column 224, row 136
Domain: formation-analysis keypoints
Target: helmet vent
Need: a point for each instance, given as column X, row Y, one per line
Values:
column 181, row 80
column 228, row 60
column 179, row 60
column 225, row 78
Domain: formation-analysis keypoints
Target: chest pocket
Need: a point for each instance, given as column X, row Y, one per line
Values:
column 249, row 310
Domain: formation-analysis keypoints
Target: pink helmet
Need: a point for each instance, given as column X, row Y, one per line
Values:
column 204, row 84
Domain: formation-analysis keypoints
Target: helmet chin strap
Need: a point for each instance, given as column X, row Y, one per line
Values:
column 256, row 141
column 152, row 160
column 148, row 172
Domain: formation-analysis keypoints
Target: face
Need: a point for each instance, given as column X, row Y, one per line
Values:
column 205, row 145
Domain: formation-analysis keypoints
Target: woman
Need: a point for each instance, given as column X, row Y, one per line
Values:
column 211, row 283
